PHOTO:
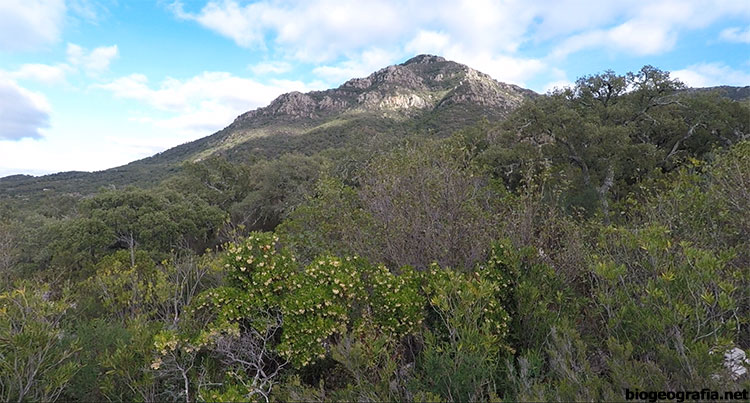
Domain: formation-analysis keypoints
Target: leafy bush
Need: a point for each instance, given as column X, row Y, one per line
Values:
column 38, row 357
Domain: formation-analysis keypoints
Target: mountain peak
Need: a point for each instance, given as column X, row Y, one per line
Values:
column 424, row 59
column 421, row 84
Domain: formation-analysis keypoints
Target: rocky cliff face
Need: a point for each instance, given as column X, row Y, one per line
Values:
column 422, row 83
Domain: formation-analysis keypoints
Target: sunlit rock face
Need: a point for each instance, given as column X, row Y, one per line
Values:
column 422, row 83
column 735, row 360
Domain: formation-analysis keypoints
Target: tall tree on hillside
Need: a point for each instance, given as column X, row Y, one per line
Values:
column 615, row 129
column 155, row 221
column 217, row 181
column 583, row 126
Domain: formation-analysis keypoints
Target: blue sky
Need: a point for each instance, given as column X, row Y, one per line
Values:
column 88, row 85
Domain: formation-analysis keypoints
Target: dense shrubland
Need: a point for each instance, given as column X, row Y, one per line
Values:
column 597, row 240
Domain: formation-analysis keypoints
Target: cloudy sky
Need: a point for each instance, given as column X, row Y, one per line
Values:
column 88, row 85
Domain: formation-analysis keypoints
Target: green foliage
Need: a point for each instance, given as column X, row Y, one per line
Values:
column 332, row 220
column 334, row 296
column 326, row 299
column 466, row 339
column 8, row 251
column 217, row 181
column 74, row 245
column 607, row 137
column 126, row 291
column 537, row 296
column 319, row 307
column 100, row 338
column 729, row 185
column 462, row 371
column 396, row 302
column 82, row 243
column 678, row 300
column 449, row 293
column 259, row 267
column 378, row 372
column 126, row 367
column 334, row 301
column 421, row 199
column 38, row 357
column 278, row 187
column 158, row 222
column 571, row 372
column 408, row 211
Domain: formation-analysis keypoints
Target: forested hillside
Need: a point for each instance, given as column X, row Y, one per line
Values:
column 444, row 238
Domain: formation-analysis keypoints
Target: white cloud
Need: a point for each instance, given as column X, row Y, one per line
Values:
column 209, row 116
column 558, row 85
column 79, row 59
column 480, row 25
column 43, row 73
column 276, row 67
column 711, row 74
column 322, row 31
column 23, row 114
column 143, row 147
column 648, row 28
column 359, row 65
column 91, row 11
column 28, row 24
column 509, row 69
column 134, row 86
column 64, row 152
column 99, row 58
column 429, row 42
column 93, row 62
column 179, row 95
column 556, row 19
column 635, row 37
column 502, row 67
column 312, row 30
column 642, row 38
column 228, row 19
column 203, row 103
column 736, row 34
